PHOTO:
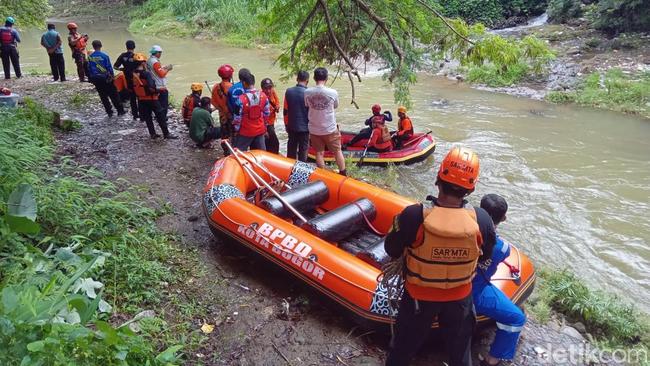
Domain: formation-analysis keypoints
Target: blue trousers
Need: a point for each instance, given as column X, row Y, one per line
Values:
column 493, row 303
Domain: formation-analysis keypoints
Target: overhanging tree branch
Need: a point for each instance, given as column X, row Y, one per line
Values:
column 302, row 29
column 444, row 20
column 330, row 29
column 380, row 22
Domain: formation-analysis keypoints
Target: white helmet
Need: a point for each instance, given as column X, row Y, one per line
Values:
column 155, row 49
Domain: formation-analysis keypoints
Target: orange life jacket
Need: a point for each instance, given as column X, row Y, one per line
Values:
column 120, row 82
column 220, row 99
column 142, row 90
column 384, row 136
column 189, row 103
column 378, row 121
column 274, row 102
column 449, row 251
column 404, row 126
column 81, row 43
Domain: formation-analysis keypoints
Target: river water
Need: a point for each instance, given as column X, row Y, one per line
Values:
column 577, row 180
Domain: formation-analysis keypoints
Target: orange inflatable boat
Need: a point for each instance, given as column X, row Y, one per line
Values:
column 324, row 228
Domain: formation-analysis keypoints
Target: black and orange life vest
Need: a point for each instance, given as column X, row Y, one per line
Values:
column 449, row 251
column 189, row 103
column 120, row 82
column 142, row 90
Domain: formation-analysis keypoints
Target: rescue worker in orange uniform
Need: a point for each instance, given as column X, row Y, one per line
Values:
column 404, row 128
column 220, row 101
column 191, row 101
column 145, row 89
column 271, row 139
column 374, row 120
column 442, row 246
column 380, row 140
column 77, row 43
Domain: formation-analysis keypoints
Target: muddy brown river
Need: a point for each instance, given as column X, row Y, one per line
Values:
column 577, row 180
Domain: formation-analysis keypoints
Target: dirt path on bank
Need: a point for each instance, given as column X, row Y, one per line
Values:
column 245, row 297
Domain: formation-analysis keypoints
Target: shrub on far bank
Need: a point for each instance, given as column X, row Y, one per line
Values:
column 613, row 90
column 560, row 11
column 615, row 16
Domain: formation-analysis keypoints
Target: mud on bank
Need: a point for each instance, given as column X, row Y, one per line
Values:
column 261, row 315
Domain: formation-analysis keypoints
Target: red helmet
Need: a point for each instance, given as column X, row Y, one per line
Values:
column 225, row 71
column 72, row 26
column 460, row 167
column 376, row 108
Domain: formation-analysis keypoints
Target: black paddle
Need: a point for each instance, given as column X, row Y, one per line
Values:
column 365, row 151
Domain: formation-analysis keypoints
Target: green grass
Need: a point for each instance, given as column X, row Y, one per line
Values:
column 235, row 21
column 89, row 228
column 614, row 91
column 79, row 99
column 491, row 76
column 612, row 321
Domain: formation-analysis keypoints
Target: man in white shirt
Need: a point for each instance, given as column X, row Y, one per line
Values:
column 323, row 130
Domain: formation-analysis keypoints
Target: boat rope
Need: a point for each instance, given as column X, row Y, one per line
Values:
column 392, row 279
column 365, row 218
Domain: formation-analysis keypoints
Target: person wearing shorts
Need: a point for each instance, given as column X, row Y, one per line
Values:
column 323, row 130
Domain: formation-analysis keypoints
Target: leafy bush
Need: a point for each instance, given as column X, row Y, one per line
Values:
column 28, row 13
column 614, row 90
column 189, row 17
column 69, row 240
column 614, row 16
column 560, row 11
column 491, row 12
column 605, row 316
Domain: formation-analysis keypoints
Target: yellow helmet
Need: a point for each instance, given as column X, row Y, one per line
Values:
column 139, row 57
column 196, row 87
column 401, row 109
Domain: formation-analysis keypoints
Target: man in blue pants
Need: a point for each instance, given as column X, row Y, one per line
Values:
column 489, row 300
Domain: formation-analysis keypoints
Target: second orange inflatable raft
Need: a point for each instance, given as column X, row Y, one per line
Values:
column 334, row 249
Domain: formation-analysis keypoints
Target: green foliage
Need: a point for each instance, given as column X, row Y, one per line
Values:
column 94, row 236
column 614, row 90
column 491, row 12
column 614, row 16
column 496, row 61
column 28, row 13
column 235, row 18
column 79, row 99
column 492, row 76
column 413, row 29
column 560, row 11
column 606, row 317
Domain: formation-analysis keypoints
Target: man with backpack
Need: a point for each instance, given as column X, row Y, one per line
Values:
column 9, row 39
column 252, row 118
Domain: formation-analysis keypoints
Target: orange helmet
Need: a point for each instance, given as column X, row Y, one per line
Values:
column 460, row 167
column 401, row 109
column 376, row 108
column 225, row 71
column 72, row 26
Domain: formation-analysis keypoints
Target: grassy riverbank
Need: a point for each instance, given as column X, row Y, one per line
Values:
column 79, row 257
column 613, row 90
column 610, row 320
